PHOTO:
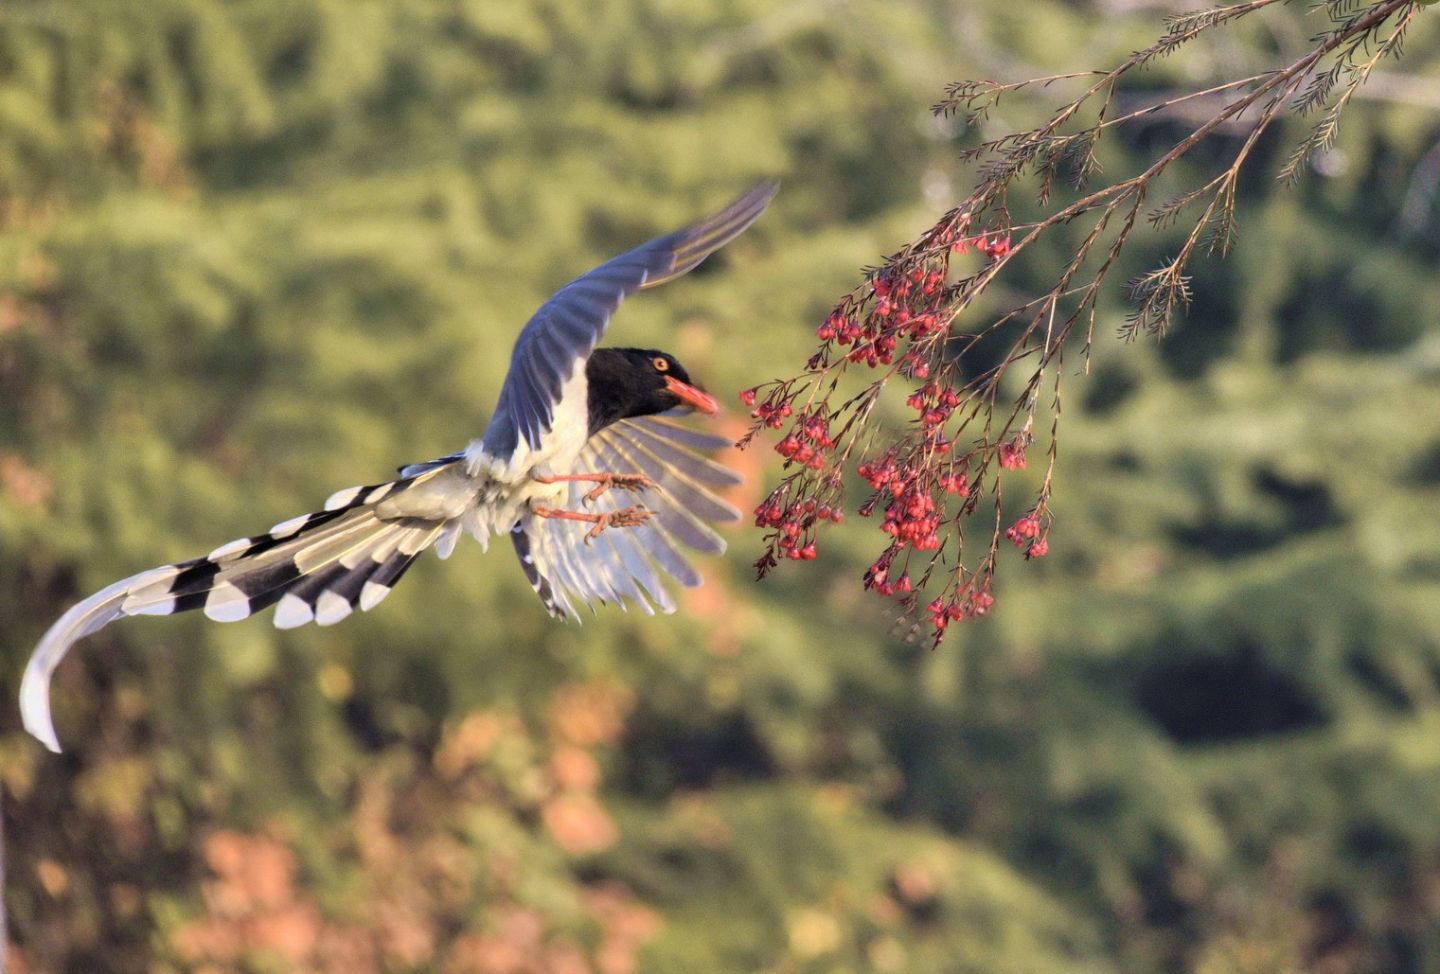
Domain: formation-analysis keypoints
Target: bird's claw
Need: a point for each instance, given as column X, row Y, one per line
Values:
column 633, row 482
column 625, row 517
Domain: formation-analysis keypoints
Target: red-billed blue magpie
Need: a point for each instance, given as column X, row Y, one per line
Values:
column 577, row 433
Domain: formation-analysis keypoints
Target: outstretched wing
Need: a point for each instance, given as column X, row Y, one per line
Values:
column 564, row 331
column 632, row 563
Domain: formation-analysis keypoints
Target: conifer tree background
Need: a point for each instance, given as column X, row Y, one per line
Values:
column 259, row 250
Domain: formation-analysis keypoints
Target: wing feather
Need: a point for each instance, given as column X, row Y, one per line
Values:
column 566, row 328
column 631, row 564
column 668, row 507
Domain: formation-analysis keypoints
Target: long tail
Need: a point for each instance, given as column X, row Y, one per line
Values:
column 317, row 567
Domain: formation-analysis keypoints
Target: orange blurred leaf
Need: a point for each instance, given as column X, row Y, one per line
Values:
column 578, row 823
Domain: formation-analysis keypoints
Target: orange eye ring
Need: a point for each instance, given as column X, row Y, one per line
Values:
column 661, row 364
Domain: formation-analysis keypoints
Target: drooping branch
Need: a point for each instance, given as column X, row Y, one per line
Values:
column 908, row 320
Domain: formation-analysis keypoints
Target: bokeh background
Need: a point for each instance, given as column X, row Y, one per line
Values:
column 251, row 252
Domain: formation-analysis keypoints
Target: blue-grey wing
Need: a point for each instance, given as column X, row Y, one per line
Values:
column 563, row 333
column 632, row 564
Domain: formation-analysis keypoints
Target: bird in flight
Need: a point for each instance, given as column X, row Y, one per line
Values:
column 578, row 434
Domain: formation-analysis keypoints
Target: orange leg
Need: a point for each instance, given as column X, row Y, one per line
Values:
column 625, row 517
column 604, row 481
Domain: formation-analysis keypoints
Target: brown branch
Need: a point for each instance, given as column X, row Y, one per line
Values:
column 905, row 321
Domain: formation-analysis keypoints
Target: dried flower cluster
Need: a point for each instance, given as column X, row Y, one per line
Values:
column 972, row 429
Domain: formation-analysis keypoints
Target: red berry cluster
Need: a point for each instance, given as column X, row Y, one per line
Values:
column 911, row 516
column 902, row 307
column 879, row 473
column 955, row 482
column 970, row 600
column 1026, row 535
column 898, row 323
column 907, row 301
column 995, row 246
column 1023, row 530
column 877, row 577
column 1012, row 453
column 933, row 404
column 808, row 442
column 772, row 413
column 992, row 245
column 794, row 526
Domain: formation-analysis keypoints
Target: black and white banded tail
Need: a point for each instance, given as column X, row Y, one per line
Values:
column 313, row 568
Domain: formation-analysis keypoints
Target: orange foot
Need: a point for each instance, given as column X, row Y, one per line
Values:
column 625, row 517
column 633, row 482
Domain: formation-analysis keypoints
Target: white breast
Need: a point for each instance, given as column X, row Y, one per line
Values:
column 512, row 487
column 569, row 429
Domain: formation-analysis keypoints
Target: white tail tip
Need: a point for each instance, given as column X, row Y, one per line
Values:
column 35, row 705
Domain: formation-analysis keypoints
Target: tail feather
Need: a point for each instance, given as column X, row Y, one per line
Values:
column 253, row 570
column 332, row 592
column 318, row 567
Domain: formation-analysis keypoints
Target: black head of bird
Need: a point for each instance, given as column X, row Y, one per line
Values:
column 628, row 382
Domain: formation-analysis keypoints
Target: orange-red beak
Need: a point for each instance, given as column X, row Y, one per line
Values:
column 691, row 396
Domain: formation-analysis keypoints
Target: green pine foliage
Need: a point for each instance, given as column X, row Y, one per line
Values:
column 252, row 252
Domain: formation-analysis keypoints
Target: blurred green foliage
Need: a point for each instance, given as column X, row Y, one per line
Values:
column 251, row 252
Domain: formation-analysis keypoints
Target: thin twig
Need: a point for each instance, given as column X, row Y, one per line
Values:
column 909, row 319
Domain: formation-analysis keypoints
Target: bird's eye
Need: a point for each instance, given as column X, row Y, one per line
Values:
column 661, row 364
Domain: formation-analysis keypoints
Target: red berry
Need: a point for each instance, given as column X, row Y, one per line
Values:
column 1012, row 454
column 996, row 248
